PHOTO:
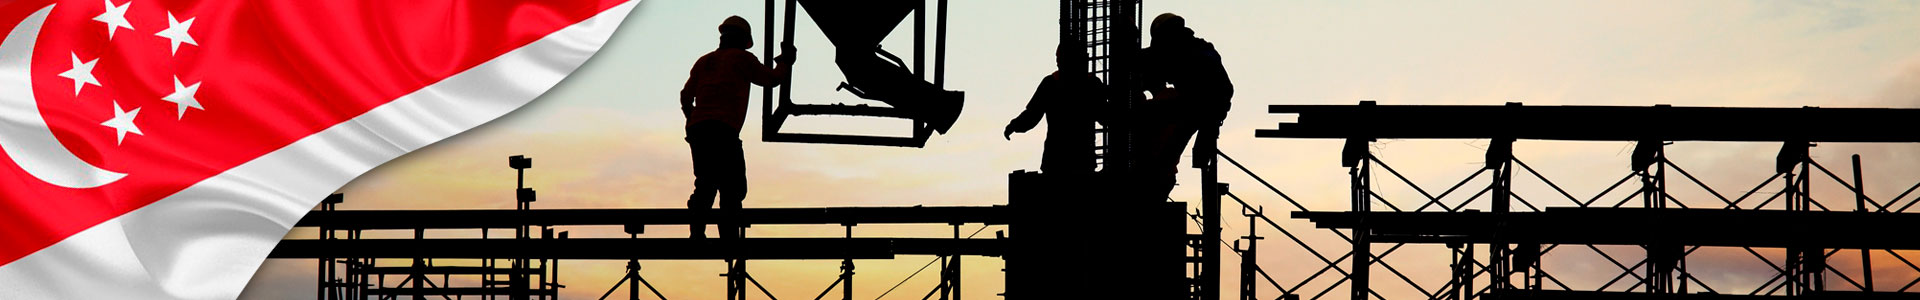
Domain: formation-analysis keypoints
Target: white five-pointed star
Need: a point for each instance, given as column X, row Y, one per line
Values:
column 177, row 31
column 183, row 97
column 115, row 17
column 82, row 73
column 122, row 123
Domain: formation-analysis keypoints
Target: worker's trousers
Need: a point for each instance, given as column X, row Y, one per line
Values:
column 718, row 168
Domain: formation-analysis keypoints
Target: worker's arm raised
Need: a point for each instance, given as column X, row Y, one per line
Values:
column 775, row 76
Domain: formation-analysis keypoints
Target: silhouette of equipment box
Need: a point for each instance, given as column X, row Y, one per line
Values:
column 1079, row 237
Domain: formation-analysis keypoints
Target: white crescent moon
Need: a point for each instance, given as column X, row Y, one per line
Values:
column 23, row 134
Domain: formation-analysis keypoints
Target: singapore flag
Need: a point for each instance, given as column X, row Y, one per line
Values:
column 158, row 149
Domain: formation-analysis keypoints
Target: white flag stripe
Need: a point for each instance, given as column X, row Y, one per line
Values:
column 206, row 241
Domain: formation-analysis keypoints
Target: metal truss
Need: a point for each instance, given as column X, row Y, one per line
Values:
column 1511, row 265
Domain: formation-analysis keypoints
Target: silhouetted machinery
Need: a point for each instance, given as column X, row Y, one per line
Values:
column 856, row 28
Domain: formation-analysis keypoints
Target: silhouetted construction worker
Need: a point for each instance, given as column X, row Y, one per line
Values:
column 715, row 104
column 1191, row 93
column 1069, row 101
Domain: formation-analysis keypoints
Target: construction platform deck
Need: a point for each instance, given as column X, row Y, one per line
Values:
column 1594, row 123
column 1592, row 295
column 1636, row 226
column 508, row 218
column 635, row 221
column 639, row 248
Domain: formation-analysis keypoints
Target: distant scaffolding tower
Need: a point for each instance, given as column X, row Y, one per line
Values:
column 516, row 278
column 1521, row 229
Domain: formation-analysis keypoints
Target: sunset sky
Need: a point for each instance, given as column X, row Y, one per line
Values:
column 610, row 135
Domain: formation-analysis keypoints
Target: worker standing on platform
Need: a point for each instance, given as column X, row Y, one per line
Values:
column 1069, row 100
column 1191, row 93
column 714, row 102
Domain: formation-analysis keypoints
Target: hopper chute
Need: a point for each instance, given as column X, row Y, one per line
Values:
column 856, row 29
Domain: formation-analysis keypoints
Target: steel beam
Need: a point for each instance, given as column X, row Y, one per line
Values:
column 1593, row 123
column 470, row 219
column 646, row 248
column 460, row 291
column 1605, row 226
column 1585, row 295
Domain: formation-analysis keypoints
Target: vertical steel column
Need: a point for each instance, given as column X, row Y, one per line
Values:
column 940, row 46
column 1466, row 283
column 1210, row 214
column 846, row 268
column 380, row 280
column 736, row 279
column 359, row 288
column 1499, row 159
column 418, row 279
column 1860, row 204
column 1800, row 260
column 1793, row 253
column 846, row 279
column 767, row 108
column 1660, row 259
column 1457, row 269
column 946, row 277
column 633, row 279
column 523, row 201
column 1250, row 256
column 1499, row 252
column 1816, row 257
column 953, row 283
column 325, row 264
column 1674, row 253
column 1362, row 250
column 766, row 57
column 487, row 263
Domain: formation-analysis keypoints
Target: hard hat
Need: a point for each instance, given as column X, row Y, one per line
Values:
column 736, row 22
column 1167, row 21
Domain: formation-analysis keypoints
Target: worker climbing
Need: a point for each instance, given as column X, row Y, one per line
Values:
column 714, row 101
column 1191, row 95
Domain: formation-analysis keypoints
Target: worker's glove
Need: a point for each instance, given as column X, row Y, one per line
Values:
column 786, row 54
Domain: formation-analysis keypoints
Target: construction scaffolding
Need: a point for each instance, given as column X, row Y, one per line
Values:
column 526, row 265
column 523, row 267
column 1176, row 250
column 1519, row 229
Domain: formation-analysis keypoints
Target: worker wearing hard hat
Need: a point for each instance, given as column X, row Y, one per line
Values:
column 1191, row 93
column 714, row 102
